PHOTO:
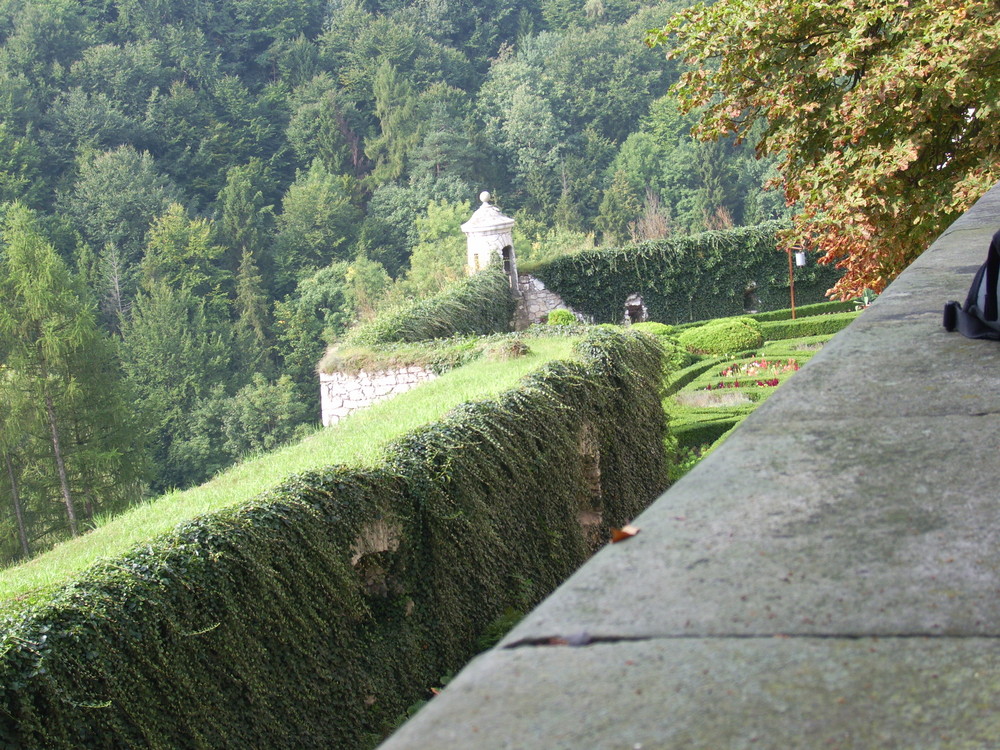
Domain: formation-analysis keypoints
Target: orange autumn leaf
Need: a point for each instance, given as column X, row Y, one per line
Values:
column 625, row 532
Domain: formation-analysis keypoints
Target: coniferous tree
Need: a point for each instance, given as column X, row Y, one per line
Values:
column 247, row 222
column 173, row 357
column 395, row 107
column 252, row 333
column 59, row 361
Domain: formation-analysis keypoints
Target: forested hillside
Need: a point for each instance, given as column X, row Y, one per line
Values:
column 198, row 195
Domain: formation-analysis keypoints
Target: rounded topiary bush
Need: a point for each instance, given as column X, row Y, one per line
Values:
column 723, row 336
column 561, row 317
column 675, row 355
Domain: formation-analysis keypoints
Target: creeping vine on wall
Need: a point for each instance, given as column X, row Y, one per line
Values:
column 696, row 277
column 478, row 305
column 312, row 616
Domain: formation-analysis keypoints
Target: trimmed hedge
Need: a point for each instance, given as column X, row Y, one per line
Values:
column 729, row 335
column 801, row 327
column 704, row 431
column 695, row 277
column 479, row 305
column 315, row 614
column 676, row 356
column 805, row 311
column 677, row 380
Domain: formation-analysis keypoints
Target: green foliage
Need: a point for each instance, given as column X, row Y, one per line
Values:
column 262, row 416
column 20, row 169
column 653, row 328
column 805, row 311
column 680, row 378
column 322, row 609
column 317, row 224
column 179, row 253
column 306, row 321
column 116, row 197
column 252, row 331
column 675, row 355
column 885, row 130
column 439, row 257
column 681, row 279
column 479, row 304
column 174, row 358
column 395, row 107
column 698, row 428
column 66, row 435
column 723, row 337
column 811, row 326
column 247, row 221
column 561, row 317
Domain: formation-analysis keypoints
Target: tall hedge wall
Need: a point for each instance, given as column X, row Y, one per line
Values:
column 681, row 279
column 478, row 305
column 315, row 614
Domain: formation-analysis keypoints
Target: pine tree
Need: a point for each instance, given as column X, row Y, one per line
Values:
column 395, row 107
column 247, row 220
column 253, row 326
column 60, row 365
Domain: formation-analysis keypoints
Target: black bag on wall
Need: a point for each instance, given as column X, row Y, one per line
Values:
column 977, row 318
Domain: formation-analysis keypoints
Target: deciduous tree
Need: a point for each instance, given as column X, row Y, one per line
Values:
column 883, row 114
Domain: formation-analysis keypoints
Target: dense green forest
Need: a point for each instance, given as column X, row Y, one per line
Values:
column 198, row 196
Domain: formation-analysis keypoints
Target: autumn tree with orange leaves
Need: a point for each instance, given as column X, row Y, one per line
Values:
column 883, row 114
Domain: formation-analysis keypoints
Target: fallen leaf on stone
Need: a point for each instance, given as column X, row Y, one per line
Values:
column 625, row 532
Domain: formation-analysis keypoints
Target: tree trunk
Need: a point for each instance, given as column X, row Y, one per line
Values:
column 22, row 532
column 60, row 464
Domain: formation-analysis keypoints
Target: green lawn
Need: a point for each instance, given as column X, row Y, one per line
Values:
column 357, row 440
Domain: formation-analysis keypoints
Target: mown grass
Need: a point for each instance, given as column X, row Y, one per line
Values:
column 357, row 440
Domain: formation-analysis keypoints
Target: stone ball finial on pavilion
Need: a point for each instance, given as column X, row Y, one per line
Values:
column 489, row 235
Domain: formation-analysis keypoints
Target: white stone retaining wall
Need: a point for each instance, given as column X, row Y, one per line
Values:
column 342, row 394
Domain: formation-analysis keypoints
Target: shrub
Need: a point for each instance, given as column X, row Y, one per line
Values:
column 801, row 327
column 805, row 311
column 675, row 355
column 677, row 380
column 481, row 304
column 561, row 317
column 723, row 337
column 654, row 328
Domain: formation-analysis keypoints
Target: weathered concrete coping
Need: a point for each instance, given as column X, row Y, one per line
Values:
column 830, row 577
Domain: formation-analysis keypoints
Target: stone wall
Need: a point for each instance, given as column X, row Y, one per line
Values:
column 342, row 394
column 536, row 302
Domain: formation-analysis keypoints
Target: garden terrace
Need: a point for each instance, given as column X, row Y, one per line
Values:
column 826, row 578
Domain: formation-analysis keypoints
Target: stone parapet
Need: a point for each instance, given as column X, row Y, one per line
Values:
column 827, row 577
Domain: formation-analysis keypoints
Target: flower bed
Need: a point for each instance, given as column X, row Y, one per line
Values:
column 760, row 367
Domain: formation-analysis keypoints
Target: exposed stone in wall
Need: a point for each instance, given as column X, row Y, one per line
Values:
column 536, row 302
column 635, row 310
column 342, row 394
column 591, row 513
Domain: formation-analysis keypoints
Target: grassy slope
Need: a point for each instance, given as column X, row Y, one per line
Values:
column 356, row 440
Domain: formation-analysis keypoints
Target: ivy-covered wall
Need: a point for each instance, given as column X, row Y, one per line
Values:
column 695, row 277
column 315, row 614
column 478, row 305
